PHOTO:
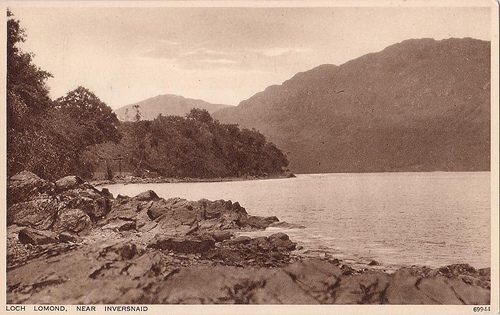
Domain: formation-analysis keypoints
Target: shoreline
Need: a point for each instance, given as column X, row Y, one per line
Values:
column 171, row 180
column 70, row 243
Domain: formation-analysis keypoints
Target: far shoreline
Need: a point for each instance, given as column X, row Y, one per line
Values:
column 126, row 180
column 129, row 179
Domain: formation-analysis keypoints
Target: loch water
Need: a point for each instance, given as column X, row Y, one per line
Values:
column 427, row 219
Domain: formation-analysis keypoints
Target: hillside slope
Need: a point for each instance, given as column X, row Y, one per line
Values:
column 419, row 105
column 166, row 105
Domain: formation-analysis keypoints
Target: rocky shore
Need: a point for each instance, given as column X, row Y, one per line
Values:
column 129, row 179
column 71, row 243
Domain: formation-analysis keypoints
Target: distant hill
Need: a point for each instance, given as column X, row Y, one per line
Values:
column 166, row 105
column 419, row 105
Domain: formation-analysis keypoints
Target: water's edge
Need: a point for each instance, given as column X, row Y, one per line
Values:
column 272, row 197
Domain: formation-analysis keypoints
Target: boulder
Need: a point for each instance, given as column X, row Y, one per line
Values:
column 485, row 272
column 26, row 186
column 280, row 242
column 366, row 288
column 146, row 196
column 67, row 237
column 72, row 220
column 38, row 213
column 231, row 285
column 457, row 269
column 181, row 217
column 215, row 209
column 189, row 244
column 68, row 182
column 316, row 277
column 88, row 199
column 239, row 240
column 279, row 236
column 105, row 193
column 263, row 251
column 37, row 237
column 220, row 236
column 260, row 223
column 158, row 208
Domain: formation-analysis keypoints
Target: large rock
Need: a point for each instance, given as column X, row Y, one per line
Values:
column 220, row 236
column 230, row 285
column 26, row 186
column 146, row 196
column 38, row 213
column 179, row 216
column 188, row 244
column 259, row 222
column 317, row 278
column 272, row 251
column 425, row 286
column 88, row 199
column 68, row 182
column 114, row 271
column 37, row 203
column 280, row 241
column 37, row 237
column 72, row 220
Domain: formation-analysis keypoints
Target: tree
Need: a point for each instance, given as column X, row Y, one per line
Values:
column 200, row 115
column 197, row 146
column 27, row 93
column 44, row 137
column 27, row 105
column 97, row 121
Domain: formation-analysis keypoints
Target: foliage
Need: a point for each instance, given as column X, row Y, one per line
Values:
column 96, row 120
column 27, row 93
column 77, row 132
column 44, row 137
column 28, row 142
column 194, row 146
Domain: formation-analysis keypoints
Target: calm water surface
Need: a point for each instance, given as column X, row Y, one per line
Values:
column 431, row 219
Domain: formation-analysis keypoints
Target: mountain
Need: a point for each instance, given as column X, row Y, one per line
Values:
column 419, row 105
column 166, row 105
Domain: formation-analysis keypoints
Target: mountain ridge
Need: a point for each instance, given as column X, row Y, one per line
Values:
column 418, row 105
column 165, row 104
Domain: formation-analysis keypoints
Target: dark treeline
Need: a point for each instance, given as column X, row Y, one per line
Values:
column 44, row 136
column 77, row 132
column 192, row 146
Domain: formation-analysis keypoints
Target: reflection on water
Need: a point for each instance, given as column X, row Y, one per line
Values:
column 430, row 219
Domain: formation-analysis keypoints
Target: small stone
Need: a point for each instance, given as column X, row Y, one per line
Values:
column 66, row 237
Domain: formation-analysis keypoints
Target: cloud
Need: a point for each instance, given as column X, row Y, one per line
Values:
column 280, row 51
column 169, row 42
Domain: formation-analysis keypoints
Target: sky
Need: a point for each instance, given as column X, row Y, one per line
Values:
column 220, row 55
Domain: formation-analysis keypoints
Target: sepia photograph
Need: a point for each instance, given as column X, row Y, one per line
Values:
column 281, row 155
